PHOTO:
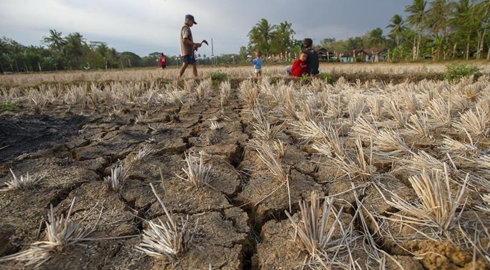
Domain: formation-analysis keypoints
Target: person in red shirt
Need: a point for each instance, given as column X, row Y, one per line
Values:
column 162, row 60
column 299, row 66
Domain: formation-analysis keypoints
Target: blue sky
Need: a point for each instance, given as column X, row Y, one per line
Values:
column 147, row 26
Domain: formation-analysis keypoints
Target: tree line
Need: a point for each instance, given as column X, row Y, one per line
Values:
column 71, row 52
column 439, row 29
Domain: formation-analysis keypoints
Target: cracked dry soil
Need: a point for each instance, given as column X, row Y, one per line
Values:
column 75, row 148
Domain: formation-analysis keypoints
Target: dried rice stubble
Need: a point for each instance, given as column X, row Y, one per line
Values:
column 168, row 240
column 435, row 216
column 61, row 232
column 326, row 234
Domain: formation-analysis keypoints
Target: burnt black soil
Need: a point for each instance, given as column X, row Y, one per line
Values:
column 21, row 134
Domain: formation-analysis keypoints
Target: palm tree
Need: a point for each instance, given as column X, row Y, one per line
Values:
column 55, row 41
column 75, row 48
column 261, row 36
column 376, row 37
column 57, row 44
column 282, row 40
column 397, row 27
column 438, row 23
column 482, row 10
column 417, row 18
column 4, row 52
column 114, row 55
column 465, row 23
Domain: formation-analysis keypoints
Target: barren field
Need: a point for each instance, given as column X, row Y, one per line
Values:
column 385, row 167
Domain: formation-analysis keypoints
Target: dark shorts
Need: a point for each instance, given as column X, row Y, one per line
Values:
column 188, row 59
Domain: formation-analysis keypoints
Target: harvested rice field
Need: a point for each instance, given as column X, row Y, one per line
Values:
column 376, row 167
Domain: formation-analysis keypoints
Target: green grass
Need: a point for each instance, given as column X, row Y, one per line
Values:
column 455, row 71
column 9, row 106
column 217, row 77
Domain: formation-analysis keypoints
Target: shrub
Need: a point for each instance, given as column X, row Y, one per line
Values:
column 217, row 77
column 455, row 72
column 304, row 79
column 326, row 76
column 9, row 106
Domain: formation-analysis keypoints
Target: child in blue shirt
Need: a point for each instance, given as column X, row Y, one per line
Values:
column 257, row 62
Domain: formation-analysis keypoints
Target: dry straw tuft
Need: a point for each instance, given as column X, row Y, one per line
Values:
column 357, row 168
column 143, row 152
column 420, row 125
column 438, row 209
column 475, row 123
column 311, row 231
column 388, row 143
column 61, row 232
column 394, row 110
column 363, row 127
column 166, row 240
column 225, row 92
column 117, row 178
column 197, row 173
column 215, row 125
column 20, row 183
column 249, row 93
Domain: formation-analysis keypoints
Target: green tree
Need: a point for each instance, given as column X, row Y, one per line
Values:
column 354, row 43
column 397, row 28
column 4, row 54
column 438, row 25
column 129, row 59
column 465, row 23
column 243, row 54
column 482, row 10
column 114, row 56
column 327, row 42
column 417, row 18
column 56, row 43
column 75, row 49
column 260, row 36
column 376, row 38
column 282, row 38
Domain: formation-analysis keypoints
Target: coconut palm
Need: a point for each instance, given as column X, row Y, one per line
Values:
column 417, row 18
column 55, row 41
column 465, row 23
column 397, row 27
column 261, row 36
column 376, row 37
column 75, row 48
column 482, row 9
column 282, row 38
column 438, row 24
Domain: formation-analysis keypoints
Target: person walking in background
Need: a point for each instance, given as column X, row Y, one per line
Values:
column 299, row 66
column 312, row 61
column 257, row 62
column 187, row 46
column 162, row 60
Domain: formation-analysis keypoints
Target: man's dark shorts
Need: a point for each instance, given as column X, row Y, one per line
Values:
column 188, row 59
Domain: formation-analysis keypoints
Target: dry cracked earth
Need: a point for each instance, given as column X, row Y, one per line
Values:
column 239, row 226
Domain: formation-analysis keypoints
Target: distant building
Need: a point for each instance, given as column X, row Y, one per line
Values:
column 375, row 54
column 350, row 56
column 325, row 55
column 366, row 55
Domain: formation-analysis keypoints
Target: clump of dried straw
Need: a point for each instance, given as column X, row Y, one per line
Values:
column 166, row 240
column 20, row 183
column 61, row 232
